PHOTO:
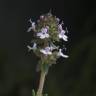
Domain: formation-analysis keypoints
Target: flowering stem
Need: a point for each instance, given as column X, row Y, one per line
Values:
column 41, row 83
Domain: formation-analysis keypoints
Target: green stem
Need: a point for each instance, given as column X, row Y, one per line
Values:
column 41, row 84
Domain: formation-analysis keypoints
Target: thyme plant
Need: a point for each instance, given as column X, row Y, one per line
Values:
column 47, row 31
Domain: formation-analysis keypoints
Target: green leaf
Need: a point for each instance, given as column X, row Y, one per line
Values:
column 45, row 94
column 33, row 93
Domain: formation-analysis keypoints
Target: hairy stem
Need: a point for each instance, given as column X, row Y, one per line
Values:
column 41, row 84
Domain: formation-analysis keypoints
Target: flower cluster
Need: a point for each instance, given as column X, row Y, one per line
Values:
column 46, row 32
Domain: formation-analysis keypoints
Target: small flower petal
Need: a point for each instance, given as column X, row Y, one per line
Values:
column 32, row 27
column 65, row 38
column 61, row 54
column 46, row 51
column 60, row 27
column 62, row 35
column 44, row 30
column 43, row 34
column 32, row 48
column 29, row 29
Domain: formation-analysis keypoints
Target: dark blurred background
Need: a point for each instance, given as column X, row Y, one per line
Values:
column 75, row 76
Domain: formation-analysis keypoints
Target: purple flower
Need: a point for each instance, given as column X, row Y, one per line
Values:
column 62, row 33
column 44, row 33
column 46, row 51
column 63, row 36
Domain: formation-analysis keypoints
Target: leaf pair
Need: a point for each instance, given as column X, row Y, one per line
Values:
column 34, row 93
